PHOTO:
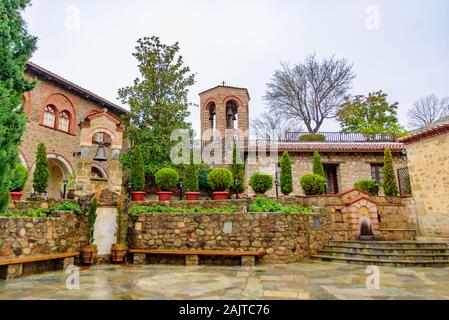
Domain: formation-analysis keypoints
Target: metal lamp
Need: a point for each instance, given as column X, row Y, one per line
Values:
column 65, row 187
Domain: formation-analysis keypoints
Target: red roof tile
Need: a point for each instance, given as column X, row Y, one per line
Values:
column 337, row 147
column 427, row 133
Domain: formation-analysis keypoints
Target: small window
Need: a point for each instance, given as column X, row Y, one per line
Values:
column 96, row 173
column 64, row 121
column 102, row 138
column 49, row 116
column 377, row 173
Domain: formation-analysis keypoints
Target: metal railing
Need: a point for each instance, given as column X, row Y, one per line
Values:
column 344, row 137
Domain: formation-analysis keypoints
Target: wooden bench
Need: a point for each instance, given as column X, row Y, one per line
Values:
column 248, row 257
column 13, row 268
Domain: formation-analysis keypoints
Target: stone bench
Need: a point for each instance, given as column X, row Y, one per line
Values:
column 13, row 268
column 192, row 256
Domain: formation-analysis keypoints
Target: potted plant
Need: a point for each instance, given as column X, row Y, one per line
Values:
column 191, row 181
column 89, row 251
column 137, row 176
column 261, row 183
column 220, row 180
column 166, row 179
column 41, row 172
column 18, row 183
column 118, row 249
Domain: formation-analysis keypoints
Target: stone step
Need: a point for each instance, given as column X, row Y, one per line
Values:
column 383, row 256
column 389, row 244
column 379, row 262
column 385, row 250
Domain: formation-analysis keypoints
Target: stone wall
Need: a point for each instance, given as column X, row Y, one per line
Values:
column 351, row 167
column 22, row 237
column 429, row 177
column 285, row 237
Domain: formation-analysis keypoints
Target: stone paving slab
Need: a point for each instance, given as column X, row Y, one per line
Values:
column 308, row 280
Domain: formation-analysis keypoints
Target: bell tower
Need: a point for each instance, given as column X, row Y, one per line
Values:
column 224, row 107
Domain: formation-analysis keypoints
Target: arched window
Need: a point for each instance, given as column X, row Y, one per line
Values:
column 49, row 116
column 231, row 114
column 64, row 121
column 102, row 138
column 96, row 173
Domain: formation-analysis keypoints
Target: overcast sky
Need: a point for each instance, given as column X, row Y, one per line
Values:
column 400, row 47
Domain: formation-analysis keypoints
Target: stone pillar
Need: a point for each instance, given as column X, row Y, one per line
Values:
column 14, row 271
column 248, row 261
column 192, row 260
column 139, row 258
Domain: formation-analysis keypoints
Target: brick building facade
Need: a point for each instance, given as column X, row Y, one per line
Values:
column 56, row 108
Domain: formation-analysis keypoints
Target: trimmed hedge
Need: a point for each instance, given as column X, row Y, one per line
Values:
column 167, row 179
column 261, row 182
column 367, row 185
column 312, row 137
column 41, row 173
column 313, row 184
column 220, row 179
column 191, row 176
column 238, row 172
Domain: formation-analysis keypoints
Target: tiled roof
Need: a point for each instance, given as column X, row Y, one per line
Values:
column 227, row 87
column 338, row 146
column 86, row 94
column 435, row 129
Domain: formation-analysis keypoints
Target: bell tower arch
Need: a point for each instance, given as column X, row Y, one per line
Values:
column 224, row 107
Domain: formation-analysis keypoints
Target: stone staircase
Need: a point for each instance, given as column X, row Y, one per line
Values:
column 386, row 253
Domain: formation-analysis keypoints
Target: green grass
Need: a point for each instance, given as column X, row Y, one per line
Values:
column 33, row 213
column 66, row 206
column 266, row 205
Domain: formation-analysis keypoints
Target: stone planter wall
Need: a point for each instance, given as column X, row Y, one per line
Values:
column 22, row 237
column 285, row 237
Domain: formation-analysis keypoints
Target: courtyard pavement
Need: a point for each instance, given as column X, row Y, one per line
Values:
column 307, row 280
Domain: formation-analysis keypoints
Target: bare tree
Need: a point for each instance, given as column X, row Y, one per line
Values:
column 310, row 91
column 274, row 123
column 428, row 110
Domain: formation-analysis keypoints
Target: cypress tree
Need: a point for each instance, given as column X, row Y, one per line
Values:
column 238, row 172
column 137, row 177
column 317, row 165
column 16, row 48
column 41, row 173
column 390, row 184
column 191, row 178
column 286, row 174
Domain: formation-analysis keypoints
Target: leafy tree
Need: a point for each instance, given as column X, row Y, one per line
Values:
column 238, row 172
column 317, row 165
column 158, row 102
column 286, row 174
column 41, row 173
column 16, row 48
column 310, row 91
column 137, row 176
column 390, row 184
column 369, row 115
column 191, row 176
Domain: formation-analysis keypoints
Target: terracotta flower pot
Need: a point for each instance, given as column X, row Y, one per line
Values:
column 89, row 254
column 71, row 194
column 220, row 195
column 192, row 195
column 164, row 195
column 137, row 195
column 16, row 196
column 118, row 252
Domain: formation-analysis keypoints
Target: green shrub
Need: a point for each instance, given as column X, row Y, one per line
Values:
column 367, row 185
column 33, row 213
column 261, row 182
column 286, row 174
column 266, row 205
column 317, row 165
column 91, row 218
column 220, row 179
column 167, row 179
column 390, row 184
column 202, row 180
column 137, row 175
column 191, row 176
column 238, row 173
column 313, row 184
column 41, row 173
column 20, row 177
column 139, row 209
column 66, row 206
column 312, row 137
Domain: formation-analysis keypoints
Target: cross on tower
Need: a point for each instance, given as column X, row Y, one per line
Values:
column 223, row 83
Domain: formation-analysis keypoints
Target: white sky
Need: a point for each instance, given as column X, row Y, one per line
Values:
column 90, row 42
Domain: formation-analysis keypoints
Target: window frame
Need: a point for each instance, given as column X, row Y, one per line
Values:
column 377, row 173
column 67, row 118
column 53, row 112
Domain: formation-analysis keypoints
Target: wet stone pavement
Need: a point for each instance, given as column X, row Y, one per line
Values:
column 307, row 280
